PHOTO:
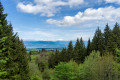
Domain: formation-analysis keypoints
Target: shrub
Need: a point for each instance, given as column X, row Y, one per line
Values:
column 66, row 71
column 96, row 67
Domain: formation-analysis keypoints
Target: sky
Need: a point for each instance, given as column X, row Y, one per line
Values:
column 53, row 20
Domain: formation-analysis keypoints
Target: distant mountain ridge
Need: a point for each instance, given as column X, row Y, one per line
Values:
column 48, row 44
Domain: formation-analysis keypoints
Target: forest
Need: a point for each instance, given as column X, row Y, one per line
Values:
column 99, row 60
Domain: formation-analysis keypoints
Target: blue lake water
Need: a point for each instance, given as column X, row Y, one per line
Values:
column 47, row 44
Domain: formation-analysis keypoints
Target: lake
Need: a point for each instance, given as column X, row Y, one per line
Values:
column 48, row 45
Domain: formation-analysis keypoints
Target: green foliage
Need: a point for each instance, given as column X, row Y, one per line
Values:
column 116, row 33
column 13, row 59
column 69, row 53
column 47, row 74
column 54, row 59
column 106, row 34
column 51, row 60
column 42, row 61
column 118, row 54
column 76, row 56
column 36, row 77
column 96, row 67
column 86, row 68
column 99, row 65
column 66, row 71
column 89, row 48
column 34, row 57
column 3, row 73
column 98, row 41
column 63, row 55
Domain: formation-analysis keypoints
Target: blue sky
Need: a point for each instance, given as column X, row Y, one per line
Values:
column 52, row 20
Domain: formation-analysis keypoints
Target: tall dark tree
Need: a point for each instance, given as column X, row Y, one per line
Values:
column 76, row 49
column 82, row 53
column 111, row 44
column 63, row 55
column 69, row 54
column 57, row 57
column 13, row 60
column 79, row 51
column 116, row 33
column 51, row 60
column 107, row 32
column 5, row 46
column 89, row 48
column 109, row 40
column 98, row 41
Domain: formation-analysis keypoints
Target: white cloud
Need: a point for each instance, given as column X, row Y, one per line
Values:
column 60, row 39
column 105, row 14
column 113, row 1
column 47, row 7
column 72, row 3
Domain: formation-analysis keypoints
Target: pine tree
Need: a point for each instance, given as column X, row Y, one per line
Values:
column 118, row 55
column 51, row 61
column 82, row 53
column 76, row 50
column 111, row 44
column 5, row 45
column 89, row 48
column 98, row 41
column 69, row 54
column 107, row 32
column 116, row 33
column 3, row 59
column 13, row 60
column 23, row 62
column 63, row 55
column 56, row 59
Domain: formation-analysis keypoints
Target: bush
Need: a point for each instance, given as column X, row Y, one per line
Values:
column 66, row 71
column 42, row 61
column 36, row 77
column 96, row 67
column 47, row 74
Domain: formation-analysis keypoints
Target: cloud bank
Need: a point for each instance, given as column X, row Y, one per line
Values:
column 113, row 1
column 105, row 14
column 47, row 7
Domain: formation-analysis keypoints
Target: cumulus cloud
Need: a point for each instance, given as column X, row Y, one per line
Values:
column 113, row 1
column 106, row 14
column 47, row 7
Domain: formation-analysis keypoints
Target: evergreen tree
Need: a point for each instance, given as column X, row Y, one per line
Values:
column 116, row 33
column 57, row 57
column 54, row 59
column 111, row 44
column 79, row 51
column 98, row 41
column 23, row 62
column 89, row 48
column 76, row 50
column 107, row 32
column 118, row 55
column 63, row 55
column 69, row 54
column 51, row 61
column 13, row 60
column 5, row 46
column 82, row 53
column 110, row 39
column 3, row 59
